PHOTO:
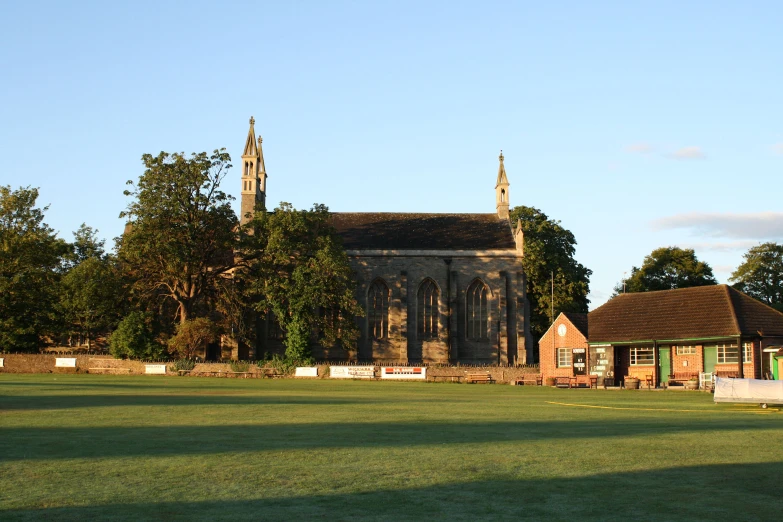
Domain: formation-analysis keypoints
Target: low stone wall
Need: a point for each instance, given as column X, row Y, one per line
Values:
column 105, row 364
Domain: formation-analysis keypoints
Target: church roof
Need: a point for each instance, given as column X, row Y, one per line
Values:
column 410, row 231
column 685, row 313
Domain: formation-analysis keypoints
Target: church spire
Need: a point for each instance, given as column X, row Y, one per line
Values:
column 501, row 190
column 253, row 176
column 250, row 142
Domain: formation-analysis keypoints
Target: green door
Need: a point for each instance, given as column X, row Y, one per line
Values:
column 710, row 358
column 664, row 364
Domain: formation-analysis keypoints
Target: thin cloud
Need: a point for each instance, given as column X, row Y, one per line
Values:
column 719, row 246
column 639, row 148
column 758, row 225
column 688, row 153
column 723, row 269
column 778, row 148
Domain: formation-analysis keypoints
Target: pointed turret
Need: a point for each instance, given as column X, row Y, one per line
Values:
column 501, row 190
column 253, row 176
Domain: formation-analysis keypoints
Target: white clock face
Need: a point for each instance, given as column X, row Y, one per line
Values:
column 561, row 330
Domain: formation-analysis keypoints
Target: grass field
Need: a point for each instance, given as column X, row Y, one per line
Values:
column 127, row 448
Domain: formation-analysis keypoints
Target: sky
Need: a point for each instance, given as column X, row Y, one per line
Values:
column 637, row 125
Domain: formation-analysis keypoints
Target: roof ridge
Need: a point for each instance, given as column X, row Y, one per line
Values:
column 733, row 309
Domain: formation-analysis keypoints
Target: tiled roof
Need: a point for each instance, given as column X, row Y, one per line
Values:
column 686, row 313
column 578, row 320
column 403, row 231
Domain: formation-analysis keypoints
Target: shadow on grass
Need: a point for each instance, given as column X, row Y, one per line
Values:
column 714, row 492
column 116, row 441
column 220, row 398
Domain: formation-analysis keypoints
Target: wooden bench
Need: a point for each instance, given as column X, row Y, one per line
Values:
column 183, row 372
column 243, row 375
column 213, row 373
column 480, row 378
column 727, row 375
column 682, row 377
column 563, row 382
column 108, row 369
column 453, row 377
column 529, row 379
column 591, row 381
column 271, row 373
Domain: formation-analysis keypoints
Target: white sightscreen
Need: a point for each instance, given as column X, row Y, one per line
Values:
column 748, row 390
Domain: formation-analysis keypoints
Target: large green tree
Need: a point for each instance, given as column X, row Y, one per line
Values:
column 549, row 251
column 299, row 271
column 761, row 274
column 31, row 258
column 91, row 297
column 179, row 245
column 668, row 268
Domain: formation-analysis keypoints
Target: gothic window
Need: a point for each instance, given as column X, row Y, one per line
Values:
column 274, row 329
column 378, row 310
column 427, row 311
column 477, row 311
column 502, row 196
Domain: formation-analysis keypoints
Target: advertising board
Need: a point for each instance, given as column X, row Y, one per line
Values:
column 404, row 373
column 352, row 372
column 155, row 369
column 65, row 362
column 306, row 371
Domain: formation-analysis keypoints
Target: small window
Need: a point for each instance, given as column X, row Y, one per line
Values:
column 686, row 350
column 727, row 353
column 564, row 357
column 642, row 356
column 747, row 352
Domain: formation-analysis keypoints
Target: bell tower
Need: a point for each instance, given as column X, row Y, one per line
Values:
column 253, row 176
column 501, row 191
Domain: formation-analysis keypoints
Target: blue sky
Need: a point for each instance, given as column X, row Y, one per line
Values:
column 636, row 124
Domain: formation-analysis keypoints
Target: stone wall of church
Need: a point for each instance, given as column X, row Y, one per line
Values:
column 507, row 338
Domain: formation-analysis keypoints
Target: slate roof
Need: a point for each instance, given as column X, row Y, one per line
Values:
column 578, row 320
column 685, row 313
column 410, row 231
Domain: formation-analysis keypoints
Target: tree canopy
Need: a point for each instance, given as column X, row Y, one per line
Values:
column 31, row 258
column 550, row 248
column 299, row 272
column 182, row 232
column 668, row 268
column 761, row 274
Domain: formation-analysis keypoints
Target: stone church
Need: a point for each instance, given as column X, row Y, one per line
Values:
column 436, row 288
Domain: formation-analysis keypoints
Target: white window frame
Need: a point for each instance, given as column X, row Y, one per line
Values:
column 686, row 349
column 647, row 351
column 565, row 357
column 728, row 353
column 747, row 352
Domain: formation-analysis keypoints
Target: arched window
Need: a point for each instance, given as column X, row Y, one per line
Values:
column 378, row 309
column 502, row 195
column 427, row 311
column 477, row 311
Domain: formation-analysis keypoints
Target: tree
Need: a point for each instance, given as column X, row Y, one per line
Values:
column 90, row 296
column 86, row 245
column 668, row 268
column 134, row 338
column 549, row 248
column 299, row 271
column 761, row 274
column 30, row 266
column 182, row 232
column 192, row 336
